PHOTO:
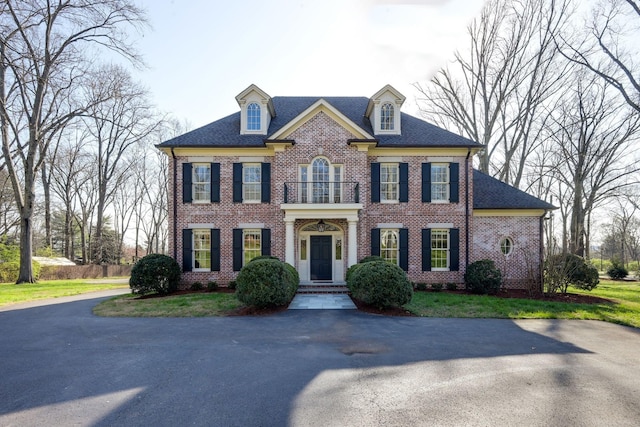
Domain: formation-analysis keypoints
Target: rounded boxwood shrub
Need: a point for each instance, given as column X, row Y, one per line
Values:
column 266, row 283
column 350, row 271
column 371, row 258
column 380, row 284
column 259, row 257
column 483, row 277
column 155, row 273
column 617, row 270
column 294, row 273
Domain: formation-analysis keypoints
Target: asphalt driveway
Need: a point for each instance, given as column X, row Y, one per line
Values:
column 60, row 365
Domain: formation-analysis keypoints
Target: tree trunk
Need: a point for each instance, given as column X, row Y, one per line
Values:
column 26, row 231
column 47, row 207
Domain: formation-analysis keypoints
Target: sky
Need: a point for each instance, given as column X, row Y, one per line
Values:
column 201, row 53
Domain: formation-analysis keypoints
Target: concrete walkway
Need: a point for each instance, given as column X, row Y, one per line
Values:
column 322, row 302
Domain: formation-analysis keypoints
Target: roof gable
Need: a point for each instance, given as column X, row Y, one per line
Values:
column 321, row 105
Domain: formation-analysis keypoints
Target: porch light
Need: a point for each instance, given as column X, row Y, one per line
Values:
column 321, row 226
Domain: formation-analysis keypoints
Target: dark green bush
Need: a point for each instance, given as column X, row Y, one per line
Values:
column 421, row 286
column 563, row 270
column 266, row 283
column 371, row 258
column 452, row 286
column 197, row 286
column 212, row 286
column 232, row 284
column 259, row 257
column 483, row 277
column 380, row 284
column 293, row 272
column 617, row 270
column 155, row 273
column 437, row 287
column 350, row 271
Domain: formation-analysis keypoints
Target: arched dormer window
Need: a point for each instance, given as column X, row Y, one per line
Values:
column 253, row 116
column 387, row 116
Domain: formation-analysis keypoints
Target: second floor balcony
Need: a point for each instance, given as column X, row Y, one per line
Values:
column 321, row 192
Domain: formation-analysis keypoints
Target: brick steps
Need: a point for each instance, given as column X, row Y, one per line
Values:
column 322, row 288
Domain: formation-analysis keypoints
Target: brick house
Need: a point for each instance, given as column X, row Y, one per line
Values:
column 321, row 182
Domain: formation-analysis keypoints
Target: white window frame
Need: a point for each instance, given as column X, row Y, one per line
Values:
column 251, row 115
column 201, row 196
column 257, row 234
column 387, row 117
column 438, row 196
column 394, row 252
column 201, row 244
column 506, row 249
column 251, row 190
column 395, row 184
column 438, row 232
column 335, row 175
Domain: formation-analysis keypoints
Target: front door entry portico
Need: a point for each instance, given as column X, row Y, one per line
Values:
column 321, row 258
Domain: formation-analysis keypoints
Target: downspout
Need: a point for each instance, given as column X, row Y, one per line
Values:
column 541, row 254
column 466, row 216
column 175, row 205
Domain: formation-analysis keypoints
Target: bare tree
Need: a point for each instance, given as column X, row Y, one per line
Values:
column 593, row 142
column 116, row 126
column 610, row 47
column 44, row 48
column 494, row 92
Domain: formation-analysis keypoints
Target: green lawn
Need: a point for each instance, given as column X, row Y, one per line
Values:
column 624, row 308
column 189, row 305
column 11, row 293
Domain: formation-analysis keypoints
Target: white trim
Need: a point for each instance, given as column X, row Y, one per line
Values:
column 251, row 225
column 390, row 225
column 201, row 226
column 251, row 159
column 440, row 225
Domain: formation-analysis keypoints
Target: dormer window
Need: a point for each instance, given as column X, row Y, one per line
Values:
column 253, row 116
column 387, row 116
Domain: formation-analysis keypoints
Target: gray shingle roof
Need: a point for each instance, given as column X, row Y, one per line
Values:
column 225, row 132
column 491, row 193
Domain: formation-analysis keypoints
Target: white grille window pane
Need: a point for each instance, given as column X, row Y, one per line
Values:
column 251, row 245
column 439, row 248
column 201, row 249
column 387, row 116
column 201, row 180
column 251, row 183
column 389, row 245
column 389, row 182
column 336, row 184
column 304, row 190
column 253, row 117
column 439, row 182
column 320, row 178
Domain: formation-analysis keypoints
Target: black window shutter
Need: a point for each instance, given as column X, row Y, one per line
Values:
column 426, row 184
column 404, row 182
column 237, row 183
column 454, row 250
column 265, row 190
column 375, row 241
column 404, row 249
column 237, row 249
column 426, row 249
column 265, row 236
column 187, row 183
column 375, row 182
column 215, row 183
column 454, row 182
column 215, row 249
column 187, row 249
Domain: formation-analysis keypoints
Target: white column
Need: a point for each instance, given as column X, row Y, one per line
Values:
column 290, row 242
column 352, row 252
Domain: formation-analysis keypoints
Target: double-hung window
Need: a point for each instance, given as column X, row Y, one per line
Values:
column 389, row 248
column 251, row 246
column 439, row 182
column 389, row 179
column 439, row 249
column 251, row 182
column 201, row 250
column 253, row 116
column 201, row 182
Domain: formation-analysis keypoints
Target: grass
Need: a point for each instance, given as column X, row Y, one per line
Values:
column 187, row 305
column 624, row 308
column 11, row 293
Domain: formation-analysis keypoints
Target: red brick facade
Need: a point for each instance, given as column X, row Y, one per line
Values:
column 323, row 136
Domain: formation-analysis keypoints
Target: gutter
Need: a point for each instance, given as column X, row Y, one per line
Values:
column 466, row 217
column 175, row 205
